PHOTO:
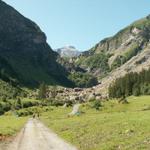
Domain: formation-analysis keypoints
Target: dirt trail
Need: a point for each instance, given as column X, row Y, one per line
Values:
column 36, row 136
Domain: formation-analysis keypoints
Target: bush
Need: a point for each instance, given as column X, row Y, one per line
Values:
column 18, row 104
column 30, row 103
column 42, row 91
column 4, row 106
column 7, row 105
column 32, row 110
column 145, row 89
column 57, row 103
column 1, row 109
column 69, row 103
column 97, row 104
column 136, row 91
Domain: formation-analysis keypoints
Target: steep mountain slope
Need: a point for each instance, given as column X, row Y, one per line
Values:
column 25, row 55
column 8, row 91
column 68, row 51
column 114, row 57
column 115, row 51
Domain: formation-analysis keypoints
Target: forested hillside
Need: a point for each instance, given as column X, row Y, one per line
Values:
column 131, row 84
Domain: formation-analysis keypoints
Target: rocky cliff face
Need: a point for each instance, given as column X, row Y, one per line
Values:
column 127, row 51
column 25, row 55
column 118, row 49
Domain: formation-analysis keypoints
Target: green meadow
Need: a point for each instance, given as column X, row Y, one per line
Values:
column 10, row 125
column 114, row 126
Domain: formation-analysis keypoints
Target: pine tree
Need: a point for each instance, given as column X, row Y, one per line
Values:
column 131, row 84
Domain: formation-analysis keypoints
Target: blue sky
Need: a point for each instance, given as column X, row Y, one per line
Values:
column 81, row 23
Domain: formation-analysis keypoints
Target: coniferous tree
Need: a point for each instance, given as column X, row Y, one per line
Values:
column 131, row 84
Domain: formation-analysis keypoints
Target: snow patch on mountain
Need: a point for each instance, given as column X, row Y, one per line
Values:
column 68, row 51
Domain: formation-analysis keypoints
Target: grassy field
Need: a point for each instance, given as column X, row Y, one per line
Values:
column 116, row 126
column 9, row 125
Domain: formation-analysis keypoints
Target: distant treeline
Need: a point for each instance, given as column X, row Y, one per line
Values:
column 131, row 84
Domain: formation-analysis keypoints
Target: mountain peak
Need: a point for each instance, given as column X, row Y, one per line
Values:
column 70, row 47
column 68, row 51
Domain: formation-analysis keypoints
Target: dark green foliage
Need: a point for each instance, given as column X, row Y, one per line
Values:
column 30, row 103
column 6, row 72
column 97, row 104
column 32, row 110
column 8, row 91
column 69, row 103
column 1, row 109
column 131, row 84
column 53, row 92
column 145, row 88
column 96, row 61
column 57, row 103
column 11, row 98
column 42, row 91
column 4, row 107
column 83, row 80
column 18, row 104
column 26, row 58
column 136, row 91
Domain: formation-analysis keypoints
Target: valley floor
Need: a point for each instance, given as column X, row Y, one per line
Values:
column 10, row 125
column 116, row 126
column 35, row 136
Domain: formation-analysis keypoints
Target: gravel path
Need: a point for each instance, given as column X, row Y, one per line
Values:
column 36, row 136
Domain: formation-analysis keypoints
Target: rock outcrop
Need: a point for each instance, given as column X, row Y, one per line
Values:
column 116, row 50
column 127, row 51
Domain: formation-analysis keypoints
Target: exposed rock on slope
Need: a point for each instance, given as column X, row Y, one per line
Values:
column 116, row 50
column 127, row 51
column 25, row 55
column 136, row 64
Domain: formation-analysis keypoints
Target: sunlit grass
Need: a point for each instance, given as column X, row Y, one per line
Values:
column 116, row 126
column 9, row 125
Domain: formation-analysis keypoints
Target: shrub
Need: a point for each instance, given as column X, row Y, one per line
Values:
column 57, row 103
column 97, row 104
column 18, row 104
column 32, row 110
column 30, row 103
column 136, row 91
